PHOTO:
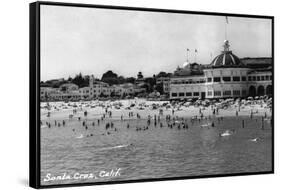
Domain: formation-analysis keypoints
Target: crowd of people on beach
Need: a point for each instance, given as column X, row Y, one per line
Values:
column 170, row 120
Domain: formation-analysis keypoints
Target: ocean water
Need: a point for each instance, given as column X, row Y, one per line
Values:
column 153, row 153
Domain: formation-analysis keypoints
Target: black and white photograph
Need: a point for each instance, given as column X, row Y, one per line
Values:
column 136, row 94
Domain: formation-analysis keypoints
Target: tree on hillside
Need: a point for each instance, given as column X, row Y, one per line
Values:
column 86, row 81
column 109, row 74
column 121, row 80
column 161, row 74
column 130, row 80
column 110, row 78
column 80, row 80
column 159, row 88
column 150, row 83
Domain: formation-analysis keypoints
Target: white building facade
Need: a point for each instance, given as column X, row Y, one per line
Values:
column 225, row 77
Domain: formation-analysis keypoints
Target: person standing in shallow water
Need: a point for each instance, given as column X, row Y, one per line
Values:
column 251, row 114
column 262, row 123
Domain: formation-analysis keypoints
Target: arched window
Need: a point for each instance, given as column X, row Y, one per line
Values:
column 261, row 91
column 252, row 91
column 269, row 90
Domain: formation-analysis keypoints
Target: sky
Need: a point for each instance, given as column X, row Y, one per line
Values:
column 93, row 41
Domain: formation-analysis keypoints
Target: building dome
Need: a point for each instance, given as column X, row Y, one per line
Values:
column 226, row 58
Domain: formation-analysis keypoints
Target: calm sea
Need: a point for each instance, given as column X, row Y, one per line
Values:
column 153, row 153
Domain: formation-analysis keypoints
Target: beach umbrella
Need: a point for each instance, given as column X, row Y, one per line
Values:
column 270, row 99
column 187, row 103
column 213, row 101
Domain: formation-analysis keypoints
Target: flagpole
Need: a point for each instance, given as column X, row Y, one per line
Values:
column 225, row 32
column 187, row 50
column 195, row 55
column 226, row 22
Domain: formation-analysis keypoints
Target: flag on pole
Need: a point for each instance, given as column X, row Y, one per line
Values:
column 195, row 55
column 226, row 19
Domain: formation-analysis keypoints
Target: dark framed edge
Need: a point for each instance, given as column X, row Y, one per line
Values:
column 34, row 94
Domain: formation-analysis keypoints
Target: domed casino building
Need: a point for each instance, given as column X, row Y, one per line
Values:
column 227, row 76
